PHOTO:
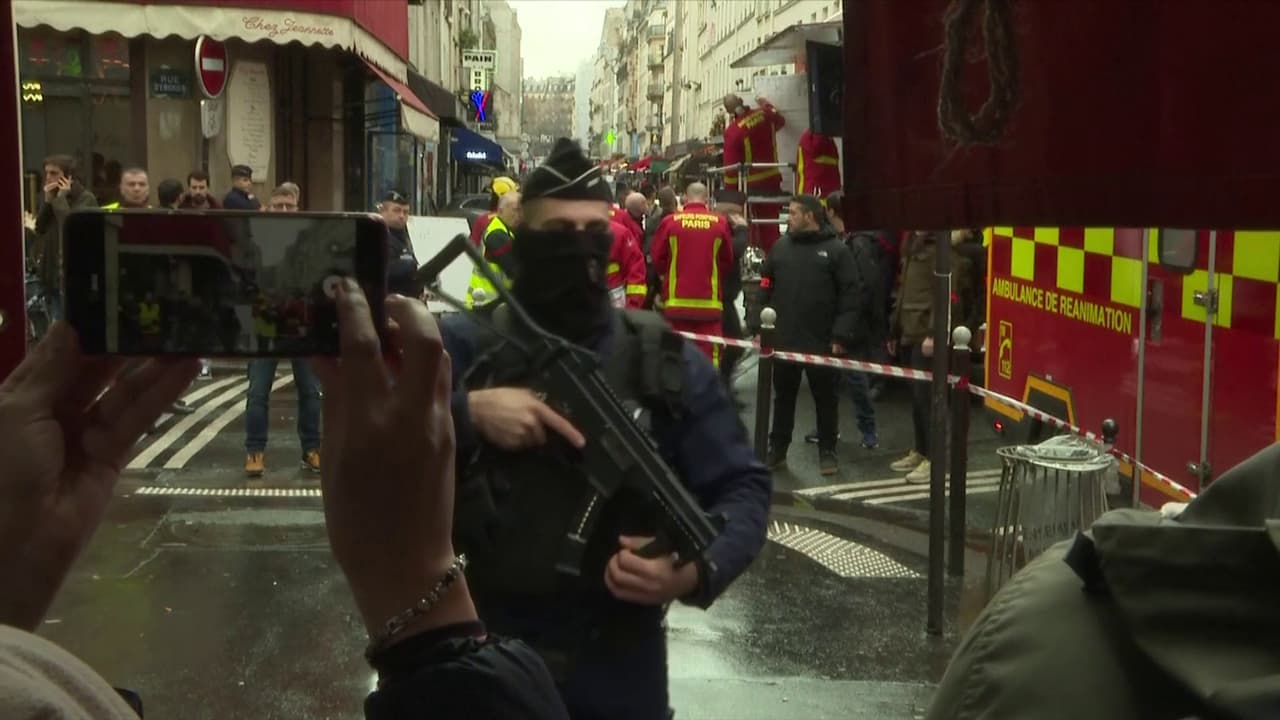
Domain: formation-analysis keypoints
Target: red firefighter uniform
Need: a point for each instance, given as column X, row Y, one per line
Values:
column 817, row 165
column 626, row 270
column 692, row 253
column 752, row 138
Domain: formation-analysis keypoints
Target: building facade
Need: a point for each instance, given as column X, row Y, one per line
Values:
column 548, row 112
column 582, row 89
column 669, row 66
column 509, row 74
column 315, row 93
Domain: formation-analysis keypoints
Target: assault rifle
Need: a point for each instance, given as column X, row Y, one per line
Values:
column 618, row 453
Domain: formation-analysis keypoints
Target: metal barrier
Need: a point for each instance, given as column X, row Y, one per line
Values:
column 1048, row 493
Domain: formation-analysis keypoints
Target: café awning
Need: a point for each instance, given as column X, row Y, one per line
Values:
column 251, row 21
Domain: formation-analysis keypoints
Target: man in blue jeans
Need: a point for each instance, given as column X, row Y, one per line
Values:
column 262, row 374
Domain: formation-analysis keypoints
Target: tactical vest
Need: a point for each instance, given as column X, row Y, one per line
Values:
column 514, row 509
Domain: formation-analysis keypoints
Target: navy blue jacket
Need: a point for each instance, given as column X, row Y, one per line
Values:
column 708, row 449
column 237, row 199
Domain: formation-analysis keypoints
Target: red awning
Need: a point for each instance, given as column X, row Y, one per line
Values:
column 416, row 117
column 346, row 24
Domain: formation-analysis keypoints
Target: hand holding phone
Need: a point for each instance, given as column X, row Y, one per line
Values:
column 239, row 284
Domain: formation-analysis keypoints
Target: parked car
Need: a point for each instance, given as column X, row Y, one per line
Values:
column 470, row 207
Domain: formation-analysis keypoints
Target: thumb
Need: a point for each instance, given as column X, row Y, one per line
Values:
column 632, row 542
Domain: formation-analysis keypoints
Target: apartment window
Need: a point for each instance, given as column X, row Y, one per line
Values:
column 826, row 12
column 813, row 17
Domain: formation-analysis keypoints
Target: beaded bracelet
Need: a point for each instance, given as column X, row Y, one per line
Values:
column 397, row 624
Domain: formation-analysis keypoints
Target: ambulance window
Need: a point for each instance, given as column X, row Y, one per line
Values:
column 1178, row 249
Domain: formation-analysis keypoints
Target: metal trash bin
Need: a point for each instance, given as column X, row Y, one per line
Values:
column 1048, row 493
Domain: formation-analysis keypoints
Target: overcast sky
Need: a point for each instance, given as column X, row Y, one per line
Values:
column 559, row 34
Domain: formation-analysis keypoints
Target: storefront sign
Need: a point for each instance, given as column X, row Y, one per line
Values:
column 476, row 155
column 479, row 59
column 170, row 83
column 211, row 66
column 287, row 27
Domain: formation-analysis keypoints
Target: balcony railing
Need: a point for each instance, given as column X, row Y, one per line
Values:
column 655, row 91
column 656, row 60
column 657, row 32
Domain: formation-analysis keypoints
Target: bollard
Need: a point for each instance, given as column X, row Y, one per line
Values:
column 764, row 381
column 961, row 364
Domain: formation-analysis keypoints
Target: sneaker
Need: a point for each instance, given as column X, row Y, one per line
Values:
column 828, row 463
column 870, row 441
column 254, row 464
column 921, row 474
column 775, row 458
column 181, row 408
column 908, row 463
column 206, row 371
column 311, row 460
column 812, row 437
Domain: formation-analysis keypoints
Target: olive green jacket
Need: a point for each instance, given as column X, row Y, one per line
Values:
column 912, row 318
column 1179, row 619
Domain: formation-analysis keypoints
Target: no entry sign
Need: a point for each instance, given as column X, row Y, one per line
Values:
column 211, row 66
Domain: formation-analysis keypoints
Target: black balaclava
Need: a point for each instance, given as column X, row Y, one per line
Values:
column 562, row 274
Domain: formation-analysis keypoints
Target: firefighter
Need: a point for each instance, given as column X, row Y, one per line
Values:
column 751, row 137
column 693, row 257
column 499, row 187
column 498, row 237
column 626, row 272
column 817, row 165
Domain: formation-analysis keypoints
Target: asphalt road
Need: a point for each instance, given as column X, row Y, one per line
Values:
column 214, row 595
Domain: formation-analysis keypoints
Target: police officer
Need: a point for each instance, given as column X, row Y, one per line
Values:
column 497, row 246
column 602, row 633
column 401, row 260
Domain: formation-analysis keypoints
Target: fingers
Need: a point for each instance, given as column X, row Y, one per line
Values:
column 132, row 405
column 50, row 370
column 95, row 375
column 630, row 586
column 419, row 339
column 364, row 375
column 552, row 419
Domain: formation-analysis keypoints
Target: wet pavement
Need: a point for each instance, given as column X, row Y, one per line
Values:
column 215, row 596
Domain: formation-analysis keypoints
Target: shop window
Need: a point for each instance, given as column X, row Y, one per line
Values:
column 50, row 54
column 109, row 57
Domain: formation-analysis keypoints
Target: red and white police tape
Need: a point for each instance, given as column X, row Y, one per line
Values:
column 925, row 376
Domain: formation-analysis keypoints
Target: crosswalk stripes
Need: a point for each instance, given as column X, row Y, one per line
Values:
column 227, row 492
column 845, row 558
column 898, row 490
column 231, row 396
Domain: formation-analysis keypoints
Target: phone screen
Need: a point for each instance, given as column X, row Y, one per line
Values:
column 214, row 284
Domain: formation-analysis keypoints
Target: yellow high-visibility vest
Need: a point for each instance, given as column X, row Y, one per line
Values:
column 478, row 281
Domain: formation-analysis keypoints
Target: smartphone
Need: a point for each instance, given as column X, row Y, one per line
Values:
column 217, row 284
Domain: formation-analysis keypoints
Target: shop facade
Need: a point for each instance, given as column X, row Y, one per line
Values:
column 317, row 98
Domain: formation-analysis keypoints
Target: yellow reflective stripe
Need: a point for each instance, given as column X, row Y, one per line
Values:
column 1126, row 281
column 695, row 304
column 1100, row 240
column 674, row 300
column 1071, row 269
column 637, row 289
column 1046, row 235
column 613, row 267
column 827, row 160
column 800, row 186
column 715, row 270
column 671, row 268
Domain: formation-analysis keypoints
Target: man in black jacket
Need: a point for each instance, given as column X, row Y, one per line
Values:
column 730, row 203
column 810, row 280
column 240, row 196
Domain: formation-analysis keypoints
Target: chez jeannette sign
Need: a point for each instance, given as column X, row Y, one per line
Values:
column 311, row 28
